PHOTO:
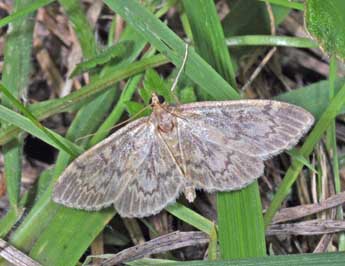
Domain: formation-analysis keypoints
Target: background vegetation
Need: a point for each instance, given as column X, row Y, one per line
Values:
column 53, row 108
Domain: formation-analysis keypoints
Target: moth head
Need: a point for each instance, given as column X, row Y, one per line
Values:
column 156, row 99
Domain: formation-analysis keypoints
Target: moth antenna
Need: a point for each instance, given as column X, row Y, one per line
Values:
column 117, row 125
column 179, row 73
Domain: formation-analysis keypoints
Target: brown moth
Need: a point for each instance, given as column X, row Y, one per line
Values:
column 214, row 146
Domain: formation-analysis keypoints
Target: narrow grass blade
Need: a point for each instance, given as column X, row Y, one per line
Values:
column 9, row 220
column 269, row 40
column 191, row 217
column 320, row 259
column 332, row 139
column 30, row 127
column 118, row 50
column 213, row 244
column 297, row 156
column 24, row 11
column 287, row 3
column 52, row 139
column 117, row 112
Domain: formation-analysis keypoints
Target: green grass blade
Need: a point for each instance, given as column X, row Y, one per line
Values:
column 28, row 8
column 241, row 227
column 269, row 40
column 118, row 50
column 213, row 244
column 167, row 42
column 9, row 220
column 191, row 217
column 334, row 149
column 30, row 127
column 13, row 216
column 17, row 54
column 286, row 3
column 81, row 26
column 119, row 109
column 208, row 37
column 52, row 139
column 296, row 166
column 320, row 259
column 240, row 222
column 297, row 156
column 323, row 20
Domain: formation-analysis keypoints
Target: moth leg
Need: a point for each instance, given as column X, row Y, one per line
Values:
column 170, row 152
column 189, row 189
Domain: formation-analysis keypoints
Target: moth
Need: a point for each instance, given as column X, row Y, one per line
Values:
column 212, row 146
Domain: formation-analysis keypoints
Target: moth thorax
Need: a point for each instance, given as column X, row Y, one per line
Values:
column 163, row 120
column 189, row 193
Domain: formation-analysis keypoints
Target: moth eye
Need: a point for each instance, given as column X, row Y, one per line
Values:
column 161, row 99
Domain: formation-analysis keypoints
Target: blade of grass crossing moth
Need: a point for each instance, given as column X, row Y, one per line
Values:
column 332, row 139
column 314, row 137
column 240, row 221
column 167, row 42
column 15, row 76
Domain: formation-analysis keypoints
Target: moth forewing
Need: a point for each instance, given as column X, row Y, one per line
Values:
column 260, row 128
